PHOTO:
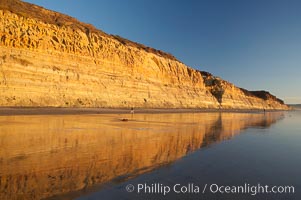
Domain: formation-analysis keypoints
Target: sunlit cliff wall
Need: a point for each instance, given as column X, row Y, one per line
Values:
column 50, row 59
column 229, row 96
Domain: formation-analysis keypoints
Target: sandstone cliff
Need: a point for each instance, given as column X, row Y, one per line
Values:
column 50, row 59
column 230, row 96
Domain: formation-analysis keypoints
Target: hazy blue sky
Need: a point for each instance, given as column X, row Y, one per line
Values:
column 255, row 44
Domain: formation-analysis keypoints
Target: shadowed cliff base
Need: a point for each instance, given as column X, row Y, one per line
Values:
column 52, row 60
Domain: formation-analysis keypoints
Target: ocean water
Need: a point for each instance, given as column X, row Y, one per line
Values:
column 151, row 156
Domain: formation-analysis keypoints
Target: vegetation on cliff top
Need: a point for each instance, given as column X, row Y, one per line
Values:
column 51, row 17
column 215, row 85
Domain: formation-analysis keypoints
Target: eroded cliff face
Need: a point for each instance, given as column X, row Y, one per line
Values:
column 49, row 59
column 230, row 96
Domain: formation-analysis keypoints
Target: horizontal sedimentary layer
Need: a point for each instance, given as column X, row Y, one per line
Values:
column 66, row 63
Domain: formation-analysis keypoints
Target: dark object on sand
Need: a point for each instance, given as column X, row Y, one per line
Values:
column 132, row 110
column 124, row 119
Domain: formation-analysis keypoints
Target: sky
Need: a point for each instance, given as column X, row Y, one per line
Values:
column 253, row 44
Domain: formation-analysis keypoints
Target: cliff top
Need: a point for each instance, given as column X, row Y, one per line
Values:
column 29, row 10
column 260, row 93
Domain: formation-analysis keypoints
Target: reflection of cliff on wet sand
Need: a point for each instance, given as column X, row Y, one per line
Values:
column 42, row 156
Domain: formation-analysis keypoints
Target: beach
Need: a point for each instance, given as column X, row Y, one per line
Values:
column 79, row 111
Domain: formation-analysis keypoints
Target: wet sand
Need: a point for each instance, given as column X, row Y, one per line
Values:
column 77, row 111
column 68, row 156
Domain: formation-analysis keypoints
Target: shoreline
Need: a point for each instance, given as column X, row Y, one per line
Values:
column 6, row 111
